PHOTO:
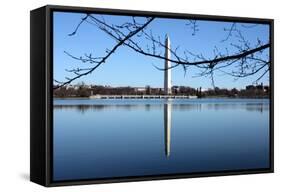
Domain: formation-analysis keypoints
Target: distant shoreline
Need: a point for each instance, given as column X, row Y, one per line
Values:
column 211, row 97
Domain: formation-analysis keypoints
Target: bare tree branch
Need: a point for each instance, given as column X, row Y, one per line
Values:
column 90, row 70
column 246, row 61
column 78, row 26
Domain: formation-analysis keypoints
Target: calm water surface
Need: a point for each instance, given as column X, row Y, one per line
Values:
column 118, row 138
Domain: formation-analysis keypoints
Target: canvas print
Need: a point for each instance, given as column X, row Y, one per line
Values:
column 138, row 96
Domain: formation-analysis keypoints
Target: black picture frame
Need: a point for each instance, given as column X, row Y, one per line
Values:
column 41, row 77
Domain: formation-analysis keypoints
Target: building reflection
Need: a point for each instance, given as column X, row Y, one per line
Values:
column 167, row 127
column 254, row 107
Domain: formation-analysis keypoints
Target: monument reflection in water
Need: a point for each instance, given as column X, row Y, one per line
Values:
column 167, row 126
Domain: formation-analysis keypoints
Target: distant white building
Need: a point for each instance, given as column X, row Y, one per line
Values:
column 141, row 89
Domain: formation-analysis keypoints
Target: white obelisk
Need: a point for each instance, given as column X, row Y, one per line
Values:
column 167, row 74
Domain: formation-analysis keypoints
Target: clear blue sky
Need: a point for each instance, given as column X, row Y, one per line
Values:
column 127, row 68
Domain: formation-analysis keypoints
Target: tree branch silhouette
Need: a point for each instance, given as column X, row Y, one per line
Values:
column 248, row 60
column 102, row 59
column 245, row 55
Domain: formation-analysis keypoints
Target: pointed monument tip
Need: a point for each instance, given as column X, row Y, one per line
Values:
column 167, row 38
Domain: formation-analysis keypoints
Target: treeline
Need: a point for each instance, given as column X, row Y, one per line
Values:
column 80, row 91
column 235, row 93
column 86, row 91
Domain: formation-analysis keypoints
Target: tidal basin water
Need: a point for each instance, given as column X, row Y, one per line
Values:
column 96, row 138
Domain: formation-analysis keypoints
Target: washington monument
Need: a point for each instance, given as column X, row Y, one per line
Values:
column 167, row 74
